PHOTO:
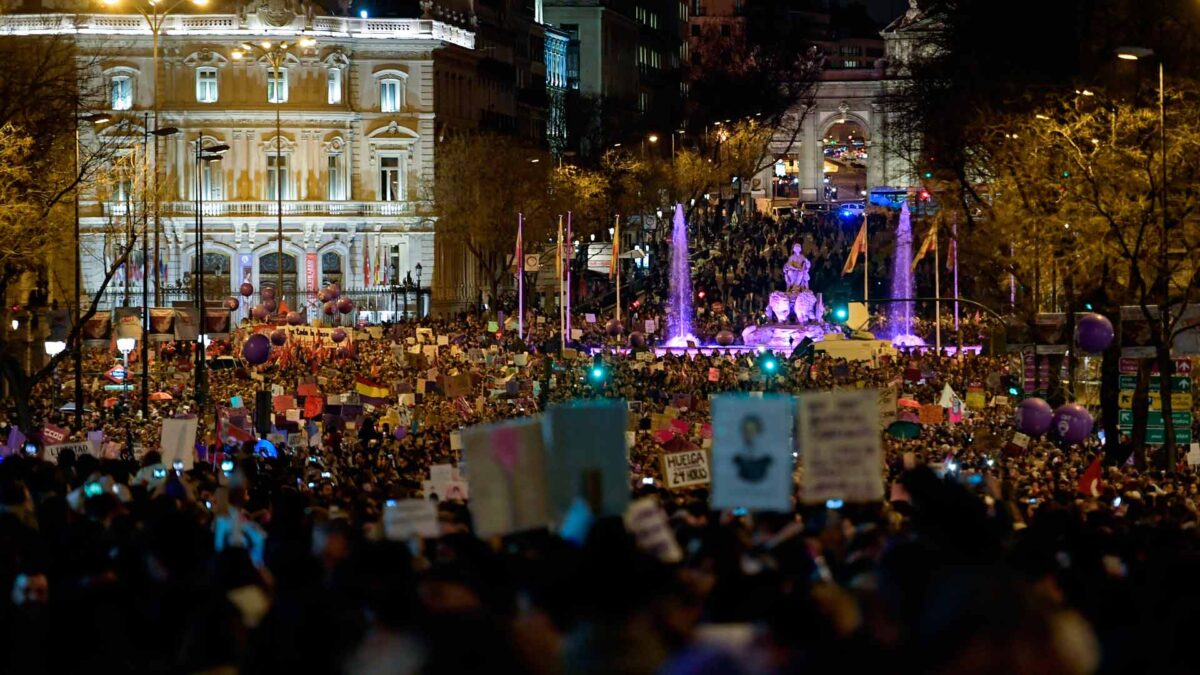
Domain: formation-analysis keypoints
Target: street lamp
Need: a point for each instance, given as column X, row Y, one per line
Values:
column 420, row 308
column 1137, row 54
column 94, row 118
column 147, row 132
column 204, row 154
column 276, row 54
column 155, row 13
column 126, row 345
column 53, row 349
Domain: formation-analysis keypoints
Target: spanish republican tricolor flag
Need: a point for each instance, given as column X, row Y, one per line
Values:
column 859, row 247
column 370, row 391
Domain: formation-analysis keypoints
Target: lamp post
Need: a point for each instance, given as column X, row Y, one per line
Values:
column 420, row 308
column 77, row 348
column 204, row 154
column 147, row 132
column 53, row 349
column 275, row 55
column 155, row 13
column 126, row 345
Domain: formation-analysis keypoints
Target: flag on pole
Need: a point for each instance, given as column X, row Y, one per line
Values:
column 519, row 251
column 952, row 253
column 614, row 264
column 366, row 259
column 378, row 259
column 858, row 247
column 930, row 244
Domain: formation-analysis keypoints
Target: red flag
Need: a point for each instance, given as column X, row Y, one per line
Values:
column 614, row 264
column 1089, row 482
column 314, row 406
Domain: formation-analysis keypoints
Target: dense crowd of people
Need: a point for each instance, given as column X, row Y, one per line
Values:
column 983, row 557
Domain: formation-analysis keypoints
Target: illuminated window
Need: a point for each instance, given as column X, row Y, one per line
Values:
column 206, row 85
column 121, row 92
column 391, row 179
column 277, row 86
column 391, row 98
column 335, row 85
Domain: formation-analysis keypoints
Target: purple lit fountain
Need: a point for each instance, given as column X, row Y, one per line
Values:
column 679, row 312
column 900, row 313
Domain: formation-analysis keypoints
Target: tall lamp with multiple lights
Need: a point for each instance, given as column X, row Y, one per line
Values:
column 275, row 55
column 77, row 348
column 204, row 154
column 155, row 13
column 147, row 133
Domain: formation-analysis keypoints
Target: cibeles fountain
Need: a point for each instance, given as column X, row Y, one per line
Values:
column 796, row 312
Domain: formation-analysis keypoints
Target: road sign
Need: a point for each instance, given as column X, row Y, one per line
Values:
column 1179, row 401
column 1154, row 419
column 1128, row 366
column 1179, row 383
column 117, row 374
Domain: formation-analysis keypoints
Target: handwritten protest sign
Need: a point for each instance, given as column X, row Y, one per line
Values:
column 53, row 451
column 508, row 475
column 931, row 414
column 840, row 446
column 752, row 452
column 685, row 469
column 407, row 518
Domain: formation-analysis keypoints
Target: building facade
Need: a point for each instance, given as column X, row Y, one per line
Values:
column 337, row 134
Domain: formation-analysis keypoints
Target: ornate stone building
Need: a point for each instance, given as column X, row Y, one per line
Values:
column 358, row 115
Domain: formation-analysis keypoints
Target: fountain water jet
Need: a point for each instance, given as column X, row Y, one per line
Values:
column 679, row 317
column 900, row 313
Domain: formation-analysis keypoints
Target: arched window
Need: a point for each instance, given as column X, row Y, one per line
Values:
column 268, row 274
column 331, row 268
column 217, row 266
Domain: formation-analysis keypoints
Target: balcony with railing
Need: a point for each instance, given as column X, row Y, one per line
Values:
column 265, row 208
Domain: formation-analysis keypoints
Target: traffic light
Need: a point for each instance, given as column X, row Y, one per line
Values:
column 598, row 373
column 767, row 362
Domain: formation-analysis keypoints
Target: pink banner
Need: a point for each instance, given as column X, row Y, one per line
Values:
column 310, row 272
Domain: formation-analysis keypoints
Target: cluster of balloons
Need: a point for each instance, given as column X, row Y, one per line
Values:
column 1071, row 422
column 333, row 302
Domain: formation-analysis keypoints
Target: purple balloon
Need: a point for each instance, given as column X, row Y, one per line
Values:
column 246, row 289
column 329, row 307
column 1093, row 333
column 270, row 304
column 1072, row 422
column 295, row 319
column 279, row 338
column 725, row 338
column 637, row 340
column 345, row 305
column 323, row 296
column 256, row 349
column 614, row 327
column 1034, row 416
column 339, row 335
column 232, row 304
column 260, row 312
column 268, row 293
column 334, row 291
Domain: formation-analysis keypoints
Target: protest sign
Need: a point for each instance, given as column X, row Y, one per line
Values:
column 508, row 476
column 931, row 414
column 975, row 397
column 685, row 469
column 408, row 518
column 752, row 452
column 54, row 450
column 178, row 441
column 840, row 446
column 443, row 340
column 456, row 439
column 1193, row 455
column 589, row 318
column 714, row 375
column 457, row 385
column 888, row 406
column 646, row 521
column 586, row 456
column 53, row 435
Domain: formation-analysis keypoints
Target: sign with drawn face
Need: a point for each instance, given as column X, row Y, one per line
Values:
column 752, row 452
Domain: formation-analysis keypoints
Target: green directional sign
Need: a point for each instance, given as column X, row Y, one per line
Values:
column 1154, row 419
column 1179, row 383
column 1158, row 436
